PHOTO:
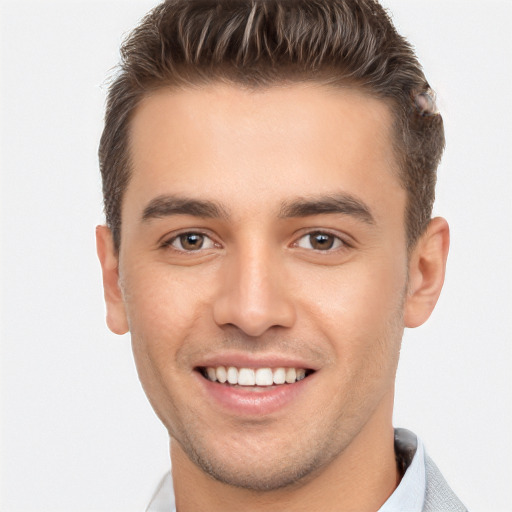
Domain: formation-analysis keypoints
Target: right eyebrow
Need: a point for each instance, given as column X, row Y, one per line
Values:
column 168, row 205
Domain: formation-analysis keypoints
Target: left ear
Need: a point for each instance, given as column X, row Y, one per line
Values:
column 427, row 266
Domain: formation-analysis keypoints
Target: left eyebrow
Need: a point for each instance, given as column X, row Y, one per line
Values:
column 344, row 204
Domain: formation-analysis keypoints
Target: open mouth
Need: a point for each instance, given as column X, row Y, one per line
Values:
column 230, row 375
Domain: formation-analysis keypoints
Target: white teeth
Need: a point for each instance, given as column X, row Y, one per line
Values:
column 221, row 374
column 264, row 377
column 279, row 376
column 291, row 375
column 254, row 376
column 246, row 377
column 212, row 374
column 232, row 375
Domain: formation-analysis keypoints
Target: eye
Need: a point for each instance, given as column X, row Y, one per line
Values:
column 320, row 241
column 189, row 242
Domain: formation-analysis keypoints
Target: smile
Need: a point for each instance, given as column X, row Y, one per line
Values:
column 233, row 376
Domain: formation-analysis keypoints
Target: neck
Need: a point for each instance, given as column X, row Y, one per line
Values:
column 360, row 479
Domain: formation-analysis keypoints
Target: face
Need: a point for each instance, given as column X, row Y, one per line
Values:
column 263, row 240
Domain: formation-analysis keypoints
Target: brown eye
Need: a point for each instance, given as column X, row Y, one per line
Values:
column 191, row 241
column 319, row 241
column 188, row 242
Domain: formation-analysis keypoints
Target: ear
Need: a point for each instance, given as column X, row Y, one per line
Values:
column 116, row 315
column 427, row 266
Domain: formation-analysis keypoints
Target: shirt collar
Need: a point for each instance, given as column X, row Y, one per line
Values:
column 163, row 499
column 408, row 496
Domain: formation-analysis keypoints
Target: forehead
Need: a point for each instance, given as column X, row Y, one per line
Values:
column 277, row 141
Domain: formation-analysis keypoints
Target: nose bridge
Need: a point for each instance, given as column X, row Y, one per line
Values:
column 253, row 295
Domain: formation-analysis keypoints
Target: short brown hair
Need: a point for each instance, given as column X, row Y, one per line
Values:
column 257, row 43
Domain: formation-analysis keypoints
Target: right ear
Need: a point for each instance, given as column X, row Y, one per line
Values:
column 117, row 320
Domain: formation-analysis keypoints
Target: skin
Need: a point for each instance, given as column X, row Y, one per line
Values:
column 257, row 288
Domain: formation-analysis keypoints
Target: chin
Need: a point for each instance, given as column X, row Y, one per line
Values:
column 242, row 462
column 264, row 476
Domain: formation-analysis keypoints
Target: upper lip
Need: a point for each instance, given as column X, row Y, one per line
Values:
column 244, row 360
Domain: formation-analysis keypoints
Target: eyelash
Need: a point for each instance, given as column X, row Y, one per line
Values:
column 338, row 242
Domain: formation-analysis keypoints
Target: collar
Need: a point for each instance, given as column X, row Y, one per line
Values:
column 407, row 497
column 163, row 499
column 410, row 457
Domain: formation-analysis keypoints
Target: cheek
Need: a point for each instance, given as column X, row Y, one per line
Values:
column 359, row 312
column 357, row 305
column 164, row 302
column 166, row 308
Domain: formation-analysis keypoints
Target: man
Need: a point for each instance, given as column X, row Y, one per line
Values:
column 268, row 175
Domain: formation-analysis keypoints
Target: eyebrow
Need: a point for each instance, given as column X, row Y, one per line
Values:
column 167, row 205
column 344, row 204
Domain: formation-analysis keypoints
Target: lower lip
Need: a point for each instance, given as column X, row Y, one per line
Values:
column 253, row 401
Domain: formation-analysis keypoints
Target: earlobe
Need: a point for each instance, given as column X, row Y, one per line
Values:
column 116, row 315
column 427, row 266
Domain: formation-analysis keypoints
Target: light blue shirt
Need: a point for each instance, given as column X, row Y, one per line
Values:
column 409, row 496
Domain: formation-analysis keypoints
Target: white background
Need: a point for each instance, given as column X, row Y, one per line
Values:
column 76, row 431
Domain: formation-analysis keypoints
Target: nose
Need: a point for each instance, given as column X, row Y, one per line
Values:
column 254, row 295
